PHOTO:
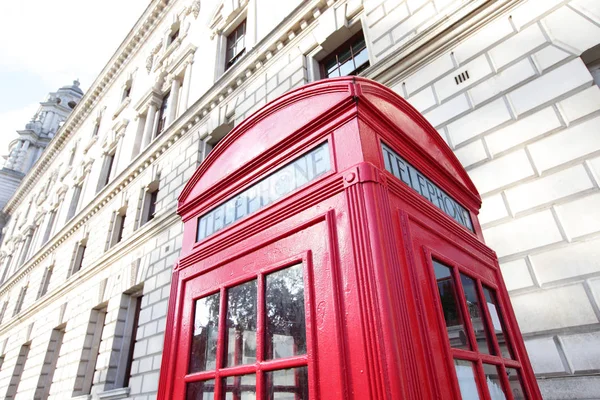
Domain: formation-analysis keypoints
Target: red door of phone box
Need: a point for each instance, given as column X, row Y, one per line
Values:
column 332, row 251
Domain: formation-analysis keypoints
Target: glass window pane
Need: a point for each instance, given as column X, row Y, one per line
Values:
column 287, row 384
column 239, row 387
column 466, row 380
column 473, row 305
column 344, row 55
column 516, row 387
column 203, row 390
column 346, row 68
column 203, row 355
column 333, row 73
column 452, row 315
column 361, row 58
column 241, row 324
column 358, row 46
column 497, row 321
column 492, row 380
column 285, row 322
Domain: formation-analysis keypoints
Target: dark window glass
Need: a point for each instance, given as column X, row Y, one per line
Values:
column 492, row 379
column 351, row 58
column 79, row 254
column 241, row 324
column 152, row 204
column 162, row 114
column 239, row 387
column 474, row 307
column 497, row 321
column 126, row 92
column 206, row 329
column 236, row 45
column 285, row 320
column 96, row 129
column 174, row 35
column 516, row 387
column 203, row 390
column 287, row 384
column 452, row 315
column 466, row 380
column 109, row 161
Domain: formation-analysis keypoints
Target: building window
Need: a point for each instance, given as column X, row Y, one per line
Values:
column 173, row 36
column 6, row 269
column 49, row 226
column 236, row 45
column 72, row 156
column 45, row 281
column 126, row 331
column 149, row 206
column 78, row 256
column 96, row 129
column 74, row 201
column 351, row 58
column 105, row 174
column 475, row 329
column 126, row 90
column 49, row 367
column 20, row 300
column 3, row 310
column 162, row 114
column 90, row 352
column 13, row 385
column 118, row 226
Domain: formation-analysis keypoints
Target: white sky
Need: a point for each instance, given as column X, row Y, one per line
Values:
column 47, row 44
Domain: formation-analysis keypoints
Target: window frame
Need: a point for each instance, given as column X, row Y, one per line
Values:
column 230, row 61
column 348, row 44
column 161, row 117
column 474, row 355
column 263, row 365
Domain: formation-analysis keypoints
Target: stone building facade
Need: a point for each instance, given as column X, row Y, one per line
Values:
column 26, row 149
column 92, row 233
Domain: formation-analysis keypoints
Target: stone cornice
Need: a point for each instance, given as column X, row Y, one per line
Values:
column 436, row 40
column 132, row 43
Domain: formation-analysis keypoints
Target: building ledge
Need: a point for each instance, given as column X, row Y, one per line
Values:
column 114, row 394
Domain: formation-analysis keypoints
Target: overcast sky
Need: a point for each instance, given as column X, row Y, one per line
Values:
column 47, row 44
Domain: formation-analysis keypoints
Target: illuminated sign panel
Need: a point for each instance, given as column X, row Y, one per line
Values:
column 288, row 178
column 420, row 183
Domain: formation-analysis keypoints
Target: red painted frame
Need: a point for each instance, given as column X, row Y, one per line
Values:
column 374, row 320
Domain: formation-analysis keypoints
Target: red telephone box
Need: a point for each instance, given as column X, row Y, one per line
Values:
column 332, row 251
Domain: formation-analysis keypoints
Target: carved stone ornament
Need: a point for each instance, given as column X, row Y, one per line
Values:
column 150, row 59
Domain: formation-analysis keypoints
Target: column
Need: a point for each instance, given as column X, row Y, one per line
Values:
column 149, row 126
column 175, row 85
column 185, row 94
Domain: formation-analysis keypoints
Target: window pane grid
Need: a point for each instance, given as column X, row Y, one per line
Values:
column 225, row 380
column 351, row 58
column 479, row 303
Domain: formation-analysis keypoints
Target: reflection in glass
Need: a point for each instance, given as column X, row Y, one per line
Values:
column 239, row 387
column 492, row 379
column 241, row 324
column 203, row 390
column 475, row 312
column 203, row 355
column 466, row 380
column 285, row 322
column 452, row 316
column 515, row 384
column 497, row 321
column 287, row 384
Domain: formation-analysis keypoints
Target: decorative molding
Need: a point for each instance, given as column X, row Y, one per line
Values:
column 121, row 107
